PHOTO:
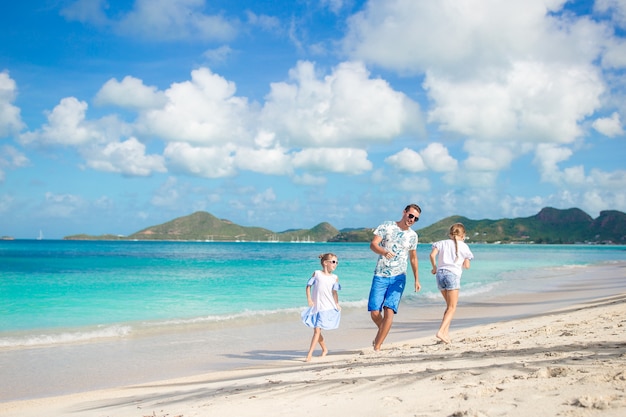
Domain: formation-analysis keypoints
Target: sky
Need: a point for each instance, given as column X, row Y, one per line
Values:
column 118, row 115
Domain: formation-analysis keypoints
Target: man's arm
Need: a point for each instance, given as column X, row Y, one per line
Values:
column 414, row 265
column 379, row 250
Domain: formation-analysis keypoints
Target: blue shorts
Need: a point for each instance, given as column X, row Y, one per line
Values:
column 386, row 292
column 447, row 280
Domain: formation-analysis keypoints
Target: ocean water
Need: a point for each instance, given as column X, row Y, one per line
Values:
column 57, row 292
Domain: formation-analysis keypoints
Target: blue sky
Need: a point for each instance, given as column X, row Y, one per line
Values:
column 118, row 115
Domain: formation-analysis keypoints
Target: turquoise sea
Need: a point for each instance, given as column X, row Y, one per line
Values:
column 58, row 292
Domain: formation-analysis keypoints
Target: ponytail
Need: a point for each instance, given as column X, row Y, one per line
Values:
column 457, row 229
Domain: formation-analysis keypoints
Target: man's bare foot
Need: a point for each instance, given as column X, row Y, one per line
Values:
column 443, row 338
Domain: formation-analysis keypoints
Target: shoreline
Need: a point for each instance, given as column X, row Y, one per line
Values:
column 570, row 361
column 272, row 351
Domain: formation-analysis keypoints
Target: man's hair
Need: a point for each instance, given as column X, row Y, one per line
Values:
column 413, row 206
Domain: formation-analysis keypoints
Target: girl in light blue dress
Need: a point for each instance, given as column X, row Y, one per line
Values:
column 324, row 311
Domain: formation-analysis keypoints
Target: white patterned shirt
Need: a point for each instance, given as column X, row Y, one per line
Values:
column 398, row 241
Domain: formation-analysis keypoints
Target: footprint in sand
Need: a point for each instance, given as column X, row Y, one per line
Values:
column 391, row 400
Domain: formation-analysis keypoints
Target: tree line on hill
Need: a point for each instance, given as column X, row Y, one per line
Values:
column 549, row 226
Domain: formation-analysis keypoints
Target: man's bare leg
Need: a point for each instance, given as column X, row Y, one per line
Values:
column 383, row 328
column 377, row 318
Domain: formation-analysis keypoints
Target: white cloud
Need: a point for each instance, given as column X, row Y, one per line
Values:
column 609, row 126
column 128, row 158
column 615, row 54
column 494, row 70
column 412, row 184
column 86, row 11
column 510, row 77
column 203, row 111
column 211, row 132
column 547, row 158
column 11, row 157
column 129, row 93
column 472, row 179
column 308, row 179
column 530, row 102
column 10, row 119
column 591, row 192
column 265, row 139
column 345, row 107
column 615, row 181
column 6, row 203
column 66, row 126
column 265, row 22
column 456, row 37
column 574, row 176
column 209, row 162
column 338, row 160
column 407, row 160
column 156, row 20
column 62, row 205
column 437, row 158
column 265, row 161
column 616, row 9
column 263, row 199
column 167, row 194
column 219, row 55
column 175, row 20
column 333, row 5
column 487, row 156
column 595, row 201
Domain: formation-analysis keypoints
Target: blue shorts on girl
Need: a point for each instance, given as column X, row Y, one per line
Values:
column 448, row 280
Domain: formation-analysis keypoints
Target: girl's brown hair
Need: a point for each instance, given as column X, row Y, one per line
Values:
column 457, row 229
column 326, row 256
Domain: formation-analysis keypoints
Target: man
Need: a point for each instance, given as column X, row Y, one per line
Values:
column 395, row 243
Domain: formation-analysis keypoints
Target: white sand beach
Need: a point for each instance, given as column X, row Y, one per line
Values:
column 569, row 360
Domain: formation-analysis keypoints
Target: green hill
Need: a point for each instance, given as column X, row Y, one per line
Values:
column 323, row 232
column 550, row 225
column 201, row 226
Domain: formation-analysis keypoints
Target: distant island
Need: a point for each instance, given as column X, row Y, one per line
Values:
column 549, row 226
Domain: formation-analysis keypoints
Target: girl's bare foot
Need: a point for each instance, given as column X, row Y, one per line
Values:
column 443, row 338
column 324, row 352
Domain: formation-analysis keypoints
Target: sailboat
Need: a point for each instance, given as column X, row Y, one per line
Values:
column 40, row 237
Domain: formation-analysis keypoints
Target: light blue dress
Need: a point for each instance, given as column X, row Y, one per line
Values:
column 324, row 314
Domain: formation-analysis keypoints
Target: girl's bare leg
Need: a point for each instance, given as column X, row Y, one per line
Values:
column 452, row 298
column 317, row 333
column 323, row 345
